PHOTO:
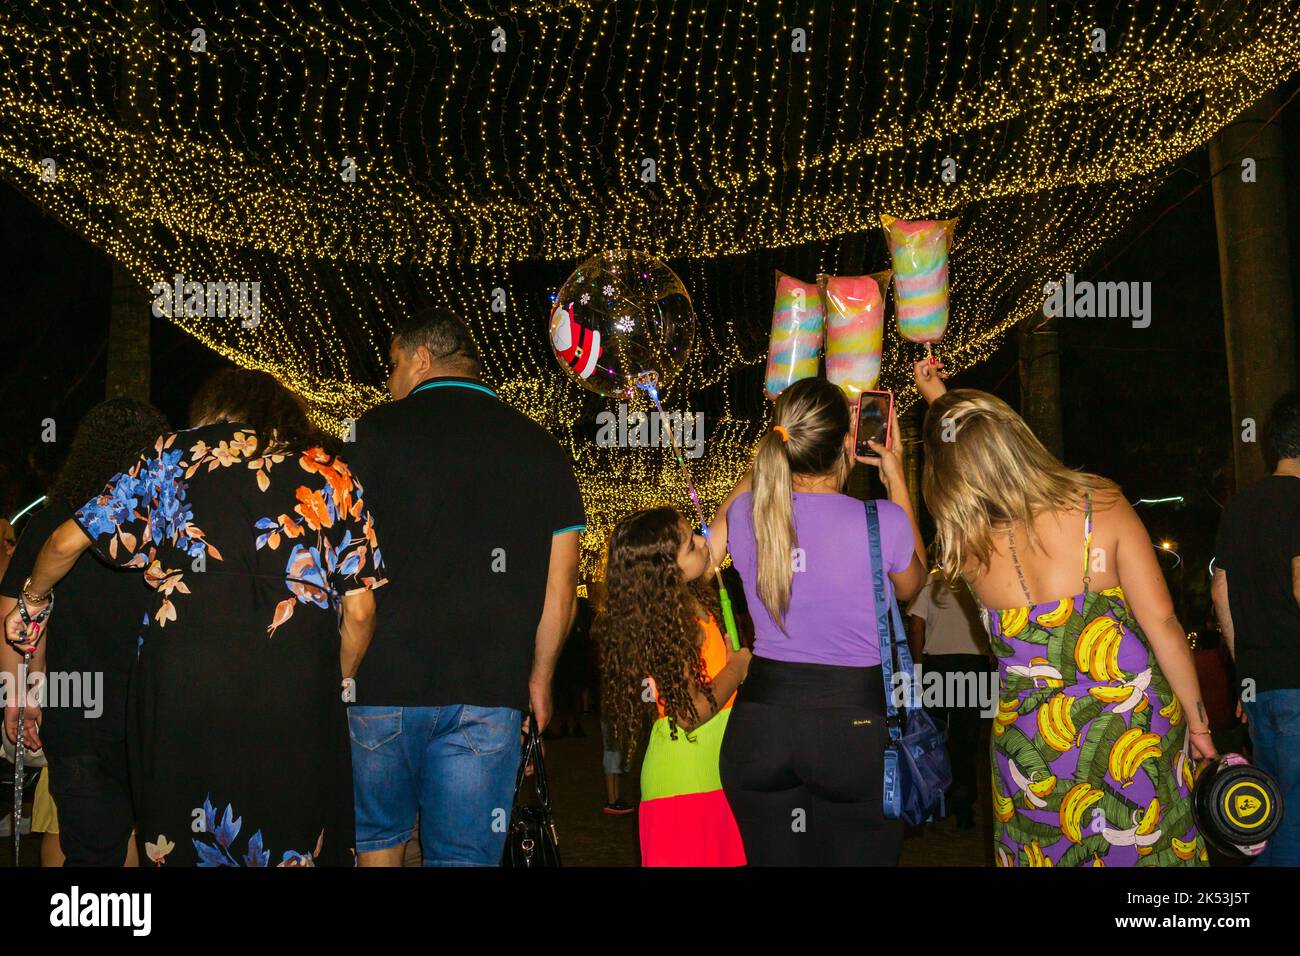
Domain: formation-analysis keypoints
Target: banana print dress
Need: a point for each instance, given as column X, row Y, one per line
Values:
column 1090, row 752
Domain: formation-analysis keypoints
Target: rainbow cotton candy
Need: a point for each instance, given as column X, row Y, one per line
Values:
column 920, row 254
column 794, row 349
column 855, row 326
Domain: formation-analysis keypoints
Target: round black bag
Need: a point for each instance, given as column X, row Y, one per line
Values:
column 1237, row 806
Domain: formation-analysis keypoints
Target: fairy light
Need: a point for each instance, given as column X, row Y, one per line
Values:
column 479, row 170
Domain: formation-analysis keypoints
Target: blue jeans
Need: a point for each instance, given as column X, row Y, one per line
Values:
column 1274, row 721
column 454, row 765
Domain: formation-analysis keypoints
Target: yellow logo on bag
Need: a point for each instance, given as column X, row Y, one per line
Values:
column 1249, row 809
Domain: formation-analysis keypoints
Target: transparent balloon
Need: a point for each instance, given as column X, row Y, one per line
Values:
column 623, row 320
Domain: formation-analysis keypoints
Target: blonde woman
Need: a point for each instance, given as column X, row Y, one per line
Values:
column 1100, row 713
column 802, row 758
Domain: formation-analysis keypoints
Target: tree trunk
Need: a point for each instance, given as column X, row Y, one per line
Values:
column 1254, row 276
column 910, row 426
column 1040, row 381
column 128, row 325
column 1038, row 337
column 128, row 338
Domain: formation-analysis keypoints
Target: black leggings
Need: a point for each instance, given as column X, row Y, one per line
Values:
column 91, row 792
column 802, row 766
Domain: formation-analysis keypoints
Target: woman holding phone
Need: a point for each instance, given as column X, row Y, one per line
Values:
column 802, row 759
column 1100, row 713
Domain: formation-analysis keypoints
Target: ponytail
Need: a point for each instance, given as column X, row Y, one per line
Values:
column 810, row 421
column 774, row 531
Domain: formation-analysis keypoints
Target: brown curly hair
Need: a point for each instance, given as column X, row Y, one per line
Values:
column 258, row 400
column 649, row 626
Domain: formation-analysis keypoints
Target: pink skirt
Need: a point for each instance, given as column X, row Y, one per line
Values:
column 693, row 829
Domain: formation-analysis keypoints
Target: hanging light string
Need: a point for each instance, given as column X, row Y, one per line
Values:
column 355, row 163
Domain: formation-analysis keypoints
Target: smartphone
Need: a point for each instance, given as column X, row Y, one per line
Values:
column 873, row 421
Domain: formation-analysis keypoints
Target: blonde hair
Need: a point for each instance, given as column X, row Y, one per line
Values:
column 814, row 414
column 984, row 465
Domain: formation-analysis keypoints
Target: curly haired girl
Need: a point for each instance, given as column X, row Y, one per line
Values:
column 661, row 645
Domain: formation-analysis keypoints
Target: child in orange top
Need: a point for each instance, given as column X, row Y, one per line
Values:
column 662, row 646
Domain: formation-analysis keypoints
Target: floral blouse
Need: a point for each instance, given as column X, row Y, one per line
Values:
column 328, row 541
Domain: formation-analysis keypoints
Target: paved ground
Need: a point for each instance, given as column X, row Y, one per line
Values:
column 590, row 838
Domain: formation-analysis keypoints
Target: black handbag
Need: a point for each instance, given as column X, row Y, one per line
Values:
column 532, row 840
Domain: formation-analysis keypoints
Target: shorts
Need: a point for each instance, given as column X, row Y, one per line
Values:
column 451, row 766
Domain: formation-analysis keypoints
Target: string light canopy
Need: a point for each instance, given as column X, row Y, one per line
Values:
column 358, row 159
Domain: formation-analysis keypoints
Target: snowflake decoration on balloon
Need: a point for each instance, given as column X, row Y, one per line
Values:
column 614, row 348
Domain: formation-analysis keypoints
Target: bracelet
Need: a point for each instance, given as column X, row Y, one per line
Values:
column 27, row 616
column 1201, row 733
column 31, row 623
column 32, row 598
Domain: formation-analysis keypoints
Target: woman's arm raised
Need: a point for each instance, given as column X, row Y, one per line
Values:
column 718, row 527
column 929, row 376
column 892, row 475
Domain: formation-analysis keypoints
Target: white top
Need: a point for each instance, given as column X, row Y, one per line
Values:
column 952, row 618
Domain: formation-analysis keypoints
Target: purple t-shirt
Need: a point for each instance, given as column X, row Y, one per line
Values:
column 832, row 614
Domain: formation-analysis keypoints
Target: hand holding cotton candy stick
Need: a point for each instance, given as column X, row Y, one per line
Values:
column 929, row 376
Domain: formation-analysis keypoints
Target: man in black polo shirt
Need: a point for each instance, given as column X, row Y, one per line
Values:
column 1257, row 599
column 480, row 515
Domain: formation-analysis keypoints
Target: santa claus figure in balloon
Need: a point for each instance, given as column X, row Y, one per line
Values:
column 577, row 347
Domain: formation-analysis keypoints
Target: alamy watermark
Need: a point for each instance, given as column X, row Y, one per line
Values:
column 1099, row 300
column 651, row 429
column 192, row 299
column 947, row 689
column 76, row 909
column 74, row 690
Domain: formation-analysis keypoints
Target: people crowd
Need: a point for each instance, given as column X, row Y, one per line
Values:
column 314, row 651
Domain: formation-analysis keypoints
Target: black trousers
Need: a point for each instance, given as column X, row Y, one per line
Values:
column 802, row 766
column 90, row 787
column 965, row 726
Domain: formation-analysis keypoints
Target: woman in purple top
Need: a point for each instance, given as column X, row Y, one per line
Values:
column 802, row 758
